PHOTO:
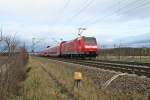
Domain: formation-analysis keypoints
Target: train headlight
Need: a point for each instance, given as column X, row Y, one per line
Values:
column 88, row 46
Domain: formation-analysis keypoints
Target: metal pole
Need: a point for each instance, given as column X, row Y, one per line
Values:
column 33, row 44
column 1, row 38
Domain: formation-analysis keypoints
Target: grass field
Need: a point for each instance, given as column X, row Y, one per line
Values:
column 3, row 57
column 39, row 85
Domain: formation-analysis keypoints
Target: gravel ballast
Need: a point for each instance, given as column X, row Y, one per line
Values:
column 125, row 84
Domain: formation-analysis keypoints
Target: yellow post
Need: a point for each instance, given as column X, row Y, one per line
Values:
column 77, row 78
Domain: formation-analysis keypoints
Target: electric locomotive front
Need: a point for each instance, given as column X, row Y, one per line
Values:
column 88, row 46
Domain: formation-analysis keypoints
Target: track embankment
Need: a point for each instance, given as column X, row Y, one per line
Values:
column 139, row 69
column 53, row 80
column 128, row 85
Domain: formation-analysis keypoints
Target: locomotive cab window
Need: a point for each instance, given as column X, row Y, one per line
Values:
column 88, row 40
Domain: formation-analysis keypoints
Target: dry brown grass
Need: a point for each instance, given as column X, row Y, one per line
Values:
column 40, row 86
column 3, row 57
column 12, row 72
column 89, row 90
column 64, row 75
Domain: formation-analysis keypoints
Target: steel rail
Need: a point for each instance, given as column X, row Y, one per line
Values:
column 130, row 68
column 124, row 62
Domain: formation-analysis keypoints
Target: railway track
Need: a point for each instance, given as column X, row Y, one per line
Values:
column 139, row 69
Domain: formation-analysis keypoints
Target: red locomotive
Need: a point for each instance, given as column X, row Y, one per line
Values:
column 79, row 47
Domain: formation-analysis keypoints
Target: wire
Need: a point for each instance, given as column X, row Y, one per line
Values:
column 129, row 5
column 85, row 7
column 65, row 6
column 59, row 19
column 104, row 17
column 115, row 12
column 107, row 9
column 143, row 4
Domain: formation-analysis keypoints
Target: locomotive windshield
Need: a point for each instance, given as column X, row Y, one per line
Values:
column 89, row 40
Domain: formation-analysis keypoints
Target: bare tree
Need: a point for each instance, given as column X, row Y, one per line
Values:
column 13, row 69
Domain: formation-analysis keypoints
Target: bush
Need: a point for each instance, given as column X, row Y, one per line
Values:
column 12, row 71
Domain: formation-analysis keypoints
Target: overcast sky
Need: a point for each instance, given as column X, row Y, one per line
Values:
column 107, row 20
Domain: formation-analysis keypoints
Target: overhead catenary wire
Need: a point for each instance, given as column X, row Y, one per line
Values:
column 129, row 9
column 121, row 8
column 111, row 7
column 115, row 12
column 109, row 15
column 62, row 11
column 134, row 5
column 86, row 5
column 66, row 5
column 142, row 4
column 82, row 9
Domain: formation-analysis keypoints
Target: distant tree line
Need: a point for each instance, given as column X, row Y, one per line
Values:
column 125, row 52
